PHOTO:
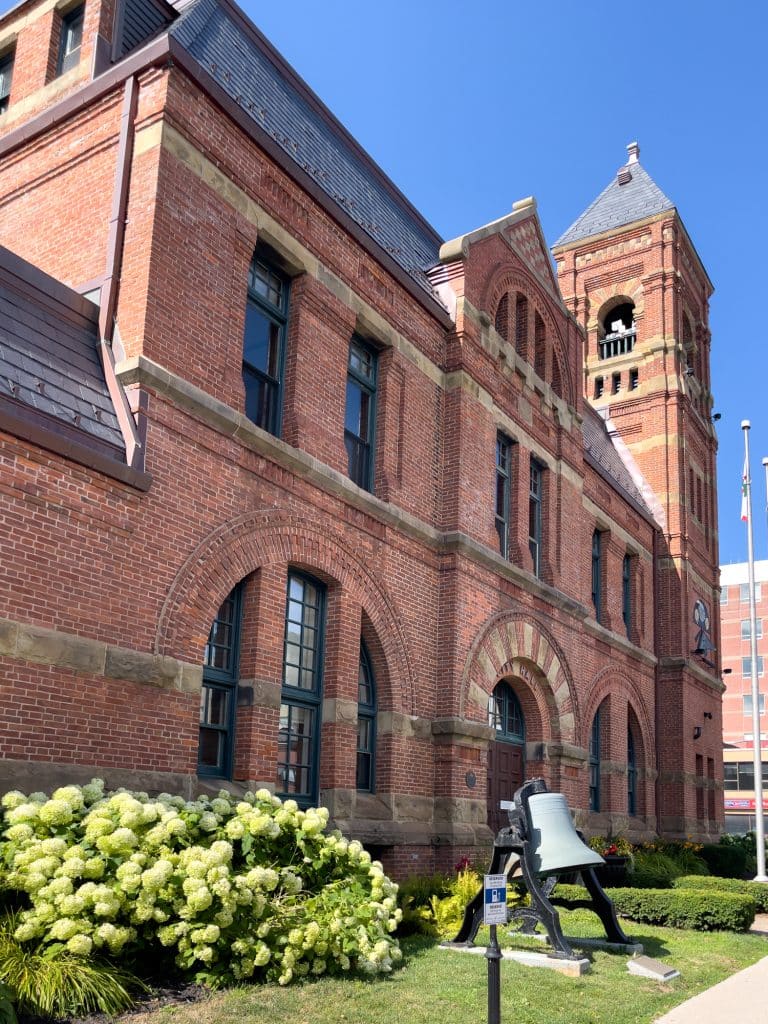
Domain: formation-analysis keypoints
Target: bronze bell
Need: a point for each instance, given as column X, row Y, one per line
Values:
column 557, row 848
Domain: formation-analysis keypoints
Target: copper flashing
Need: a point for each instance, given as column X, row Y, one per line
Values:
column 45, row 431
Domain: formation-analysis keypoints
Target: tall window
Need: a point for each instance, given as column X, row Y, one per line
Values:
column 360, row 414
column 597, row 571
column 298, row 744
column 503, row 478
column 626, row 593
column 366, row 723
column 594, row 763
column 266, row 318
column 71, row 39
column 219, row 692
column 534, row 515
column 631, row 774
column 6, row 74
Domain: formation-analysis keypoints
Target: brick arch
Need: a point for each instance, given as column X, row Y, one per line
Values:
column 602, row 300
column 272, row 536
column 513, row 644
column 506, row 280
column 611, row 681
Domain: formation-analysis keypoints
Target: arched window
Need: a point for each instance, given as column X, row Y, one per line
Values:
column 501, row 322
column 219, row 690
column 539, row 346
column 594, row 763
column 521, row 325
column 298, row 744
column 618, row 331
column 505, row 714
column 557, row 376
column 597, row 571
column 631, row 774
column 366, row 723
column 266, row 324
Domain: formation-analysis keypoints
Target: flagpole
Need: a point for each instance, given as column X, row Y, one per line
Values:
column 756, row 739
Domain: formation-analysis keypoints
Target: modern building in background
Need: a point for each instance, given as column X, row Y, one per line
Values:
column 738, row 738
column 296, row 493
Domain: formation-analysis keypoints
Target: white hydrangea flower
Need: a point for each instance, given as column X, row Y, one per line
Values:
column 80, row 944
column 23, row 812
column 72, row 795
column 56, row 812
column 20, row 833
column 64, row 928
column 93, row 791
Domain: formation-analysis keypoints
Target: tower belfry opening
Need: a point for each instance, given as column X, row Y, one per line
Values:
column 618, row 331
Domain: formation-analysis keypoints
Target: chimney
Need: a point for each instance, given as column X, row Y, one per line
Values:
column 634, row 152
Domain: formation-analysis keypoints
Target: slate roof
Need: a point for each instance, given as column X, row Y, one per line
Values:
column 49, row 362
column 619, row 204
column 601, row 451
column 246, row 67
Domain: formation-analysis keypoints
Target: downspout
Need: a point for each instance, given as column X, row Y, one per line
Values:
column 134, row 451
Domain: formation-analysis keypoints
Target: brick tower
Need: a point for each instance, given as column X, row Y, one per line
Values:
column 631, row 276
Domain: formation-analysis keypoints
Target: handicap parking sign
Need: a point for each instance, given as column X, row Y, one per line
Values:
column 495, row 899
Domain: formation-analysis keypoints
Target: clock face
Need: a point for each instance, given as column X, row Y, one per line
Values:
column 701, row 616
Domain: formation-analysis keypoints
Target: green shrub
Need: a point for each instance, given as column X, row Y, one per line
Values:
column 757, row 891
column 654, row 869
column 448, row 912
column 747, row 843
column 50, row 982
column 418, row 890
column 230, row 889
column 7, row 1012
column 674, row 908
column 725, row 860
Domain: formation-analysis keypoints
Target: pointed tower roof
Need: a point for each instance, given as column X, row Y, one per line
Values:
column 632, row 195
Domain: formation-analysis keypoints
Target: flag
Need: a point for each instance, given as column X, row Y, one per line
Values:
column 744, row 484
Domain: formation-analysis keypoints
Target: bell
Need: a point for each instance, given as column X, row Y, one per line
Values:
column 557, row 849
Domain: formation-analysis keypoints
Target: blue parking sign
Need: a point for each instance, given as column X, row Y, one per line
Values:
column 495, row 899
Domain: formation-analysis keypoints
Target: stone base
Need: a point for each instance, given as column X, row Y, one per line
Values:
column 570, row 968
column 630, row 948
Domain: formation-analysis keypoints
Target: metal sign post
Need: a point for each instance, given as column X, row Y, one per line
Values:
column 494, row 913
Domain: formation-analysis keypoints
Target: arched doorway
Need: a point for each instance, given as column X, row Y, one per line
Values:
column 506, row 753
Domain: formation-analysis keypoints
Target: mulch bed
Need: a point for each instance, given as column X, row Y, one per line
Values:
column 161, row 995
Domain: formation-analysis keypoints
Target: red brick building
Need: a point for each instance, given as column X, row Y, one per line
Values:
column 738, row 737
column 296, row 493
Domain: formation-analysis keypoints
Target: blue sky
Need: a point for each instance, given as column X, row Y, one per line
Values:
column 470, row 106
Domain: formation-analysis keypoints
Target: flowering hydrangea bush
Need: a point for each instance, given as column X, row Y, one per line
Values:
column 235, row 889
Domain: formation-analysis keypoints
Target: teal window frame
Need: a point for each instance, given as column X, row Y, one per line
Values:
column 6, row 79
column 594, row 763
column 365, row 773
column 297, row 777
column 626, row 593
column 535, row 516
column 631, row 775
column 597, row 572
column 503, row 491
column 360, row 412
column 264, row 342
column 70, row 39
column 221, row 663
column 505, row 714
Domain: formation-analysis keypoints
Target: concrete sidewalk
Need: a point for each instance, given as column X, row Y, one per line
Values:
column 740, row 999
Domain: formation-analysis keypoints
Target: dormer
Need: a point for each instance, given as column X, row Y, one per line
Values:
column 48, row 51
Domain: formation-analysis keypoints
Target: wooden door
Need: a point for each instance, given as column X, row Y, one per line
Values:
column 505, row 775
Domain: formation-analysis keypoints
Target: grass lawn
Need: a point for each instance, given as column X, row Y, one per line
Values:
column 436, row 986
